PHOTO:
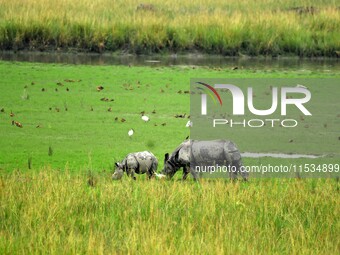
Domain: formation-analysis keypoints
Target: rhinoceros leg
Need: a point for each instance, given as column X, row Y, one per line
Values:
column 153, row 168
column 150, row 173
column 131, row 172
column 186, row 171
column 237, row 163
column 194, row 174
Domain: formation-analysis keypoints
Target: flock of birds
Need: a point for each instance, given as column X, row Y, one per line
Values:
column 99, row 88
column 144, row 117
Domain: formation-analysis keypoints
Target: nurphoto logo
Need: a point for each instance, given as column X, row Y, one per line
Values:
column 282, row 95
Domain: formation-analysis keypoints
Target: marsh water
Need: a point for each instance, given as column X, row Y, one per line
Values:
column 276, row 155
column 258, row 63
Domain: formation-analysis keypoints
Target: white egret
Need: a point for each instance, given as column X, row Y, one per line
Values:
column 145, row 118
column 130, row 133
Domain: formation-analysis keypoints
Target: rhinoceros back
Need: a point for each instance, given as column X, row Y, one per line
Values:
column 216, row 151
column 141, row 161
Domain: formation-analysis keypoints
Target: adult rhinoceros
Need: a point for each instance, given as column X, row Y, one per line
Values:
column 137, row 162
column 191, row 153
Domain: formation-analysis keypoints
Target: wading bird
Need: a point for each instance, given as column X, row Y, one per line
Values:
column 130, row 133
column 145, row 118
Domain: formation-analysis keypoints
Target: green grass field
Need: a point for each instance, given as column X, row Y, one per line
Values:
column 265, row 27
column 72, row 136
column 69, row 136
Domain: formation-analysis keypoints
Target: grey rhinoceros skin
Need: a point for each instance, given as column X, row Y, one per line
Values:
column 136, row 162
column 192, row 153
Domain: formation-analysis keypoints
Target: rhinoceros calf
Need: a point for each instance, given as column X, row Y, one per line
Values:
column 193, row 152
column 137, row 162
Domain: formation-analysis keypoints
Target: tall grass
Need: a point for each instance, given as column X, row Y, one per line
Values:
column 265, row 27
column 58, row 213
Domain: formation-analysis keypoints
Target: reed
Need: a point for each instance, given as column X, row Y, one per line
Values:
column 265, row 27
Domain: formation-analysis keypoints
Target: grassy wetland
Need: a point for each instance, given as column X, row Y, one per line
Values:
column 62, row 128
column 56, row 195
column 233, row 28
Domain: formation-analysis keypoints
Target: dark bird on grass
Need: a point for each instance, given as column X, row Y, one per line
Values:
column 116, row 119
column 50, row 108
column 100, row 88
column 2, row 110
column 110, row 109
column 38, row 126
column 180, row 115
column 32, row 83
column 291, row 140
column 12, row 122
column 25, row 87
column 142, row 112
column 339, row 138
column 18, row 124
column 179, row 92
column 154, row 111
column 186, row 92
column 162, row 90
column 57, row 109
column 187, row 138
column 234, row 68
column 67, row 89
column 112, row 100
column 123, row 120
column 60, row 84
column 163, row 124
column 91, row 109
column 11, row 114
column 43, row 89
column 56, row 90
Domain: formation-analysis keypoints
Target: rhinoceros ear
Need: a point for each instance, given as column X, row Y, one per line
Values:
column 166, row 157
